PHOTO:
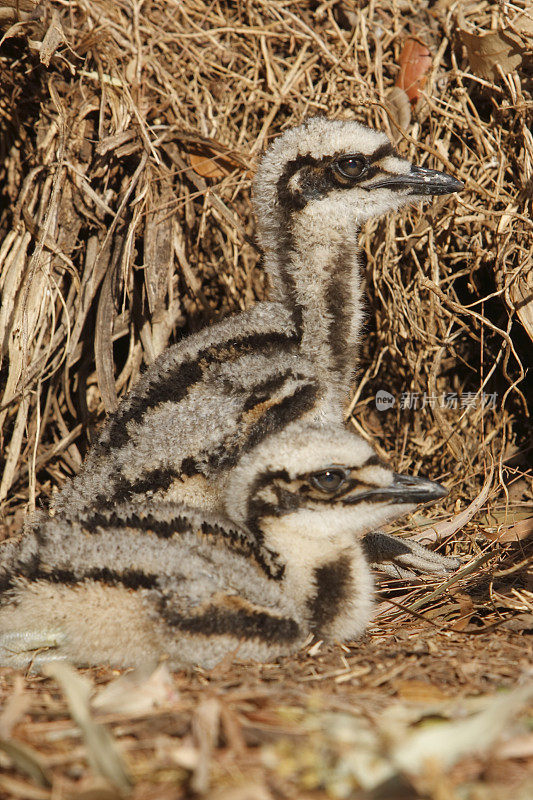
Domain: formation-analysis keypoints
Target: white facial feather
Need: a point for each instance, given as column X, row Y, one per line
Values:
column 299, row 449
column 319, row 138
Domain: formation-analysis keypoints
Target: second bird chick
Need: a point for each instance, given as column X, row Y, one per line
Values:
column 285, row 559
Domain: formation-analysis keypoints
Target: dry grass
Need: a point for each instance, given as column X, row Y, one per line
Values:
column 112, row 245
column 308, row 728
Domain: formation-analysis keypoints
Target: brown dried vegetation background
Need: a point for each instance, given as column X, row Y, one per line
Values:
column 129, row 132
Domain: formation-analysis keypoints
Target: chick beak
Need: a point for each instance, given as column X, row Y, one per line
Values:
column 409, row 489
column 404, row 489
column 420, row 181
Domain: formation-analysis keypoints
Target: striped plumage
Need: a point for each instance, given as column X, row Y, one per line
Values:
column 193, row 413
column 287, row 559
column 195, row 526
column 206, row 400
column 316, row 185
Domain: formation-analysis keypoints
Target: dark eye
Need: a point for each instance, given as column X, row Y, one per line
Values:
column 351, row 166
column 329, row 480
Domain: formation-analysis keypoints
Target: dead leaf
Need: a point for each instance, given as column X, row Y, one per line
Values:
column 415, row 61
column 27, row 6
column 521, row 294
column 137, row 692
column 488, row 51
column 101, row 749
column 451, row 741
column 398, row 106
column 21, row 790
column 438, row 532
column 250, row 791
column 53, row 38
column 517, row 747
column 103, row 339
column 14, row 709
column 205, row 726
column 27, row 760
column 506, row 218
column 466, row 610
column 211, row 164
column 158, row 248
column 514, row 533
column 520, row 623
column 15, row 30
column 16, row 11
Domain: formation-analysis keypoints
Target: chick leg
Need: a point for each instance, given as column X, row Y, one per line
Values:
column 403, row 558
column 19, row 649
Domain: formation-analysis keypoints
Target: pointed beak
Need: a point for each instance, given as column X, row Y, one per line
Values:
column 404, row 489
column 420, row 181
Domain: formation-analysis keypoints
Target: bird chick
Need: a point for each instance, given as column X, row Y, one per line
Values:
column 315, row 187
column 284, row 560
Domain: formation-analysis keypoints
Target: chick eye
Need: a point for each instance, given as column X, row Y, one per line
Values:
column 351, row 166
column 329, row 480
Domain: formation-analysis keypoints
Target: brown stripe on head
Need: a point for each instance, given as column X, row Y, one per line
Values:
column 266, row 388
column 259, row 507
column 386, row 149
column 280, row 414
